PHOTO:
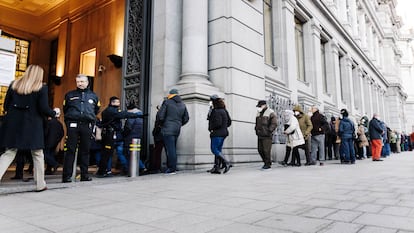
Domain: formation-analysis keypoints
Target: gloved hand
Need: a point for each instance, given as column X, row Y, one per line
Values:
column 57, row 111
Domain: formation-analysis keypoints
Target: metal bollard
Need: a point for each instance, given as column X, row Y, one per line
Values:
column 135, row 148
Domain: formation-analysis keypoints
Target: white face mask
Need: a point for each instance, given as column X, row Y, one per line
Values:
column 259, row 109
column 210, row 103
column 310, row 114
column 297, row 113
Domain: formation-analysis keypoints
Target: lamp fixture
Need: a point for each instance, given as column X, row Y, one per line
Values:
column 116, row 60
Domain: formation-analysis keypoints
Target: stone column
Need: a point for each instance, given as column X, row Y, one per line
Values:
column 195, row 43
column 362, row 29
column 367, row 96
column 194, row 85
column 354, row 20
column 347, row 82
column 368, row 49
column 313, row 61
column 332, row 71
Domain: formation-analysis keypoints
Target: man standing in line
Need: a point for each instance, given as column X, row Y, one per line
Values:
column 266, row 123
column 80, row 108
column 375, row 134
column 318, row 136
column 172, row 115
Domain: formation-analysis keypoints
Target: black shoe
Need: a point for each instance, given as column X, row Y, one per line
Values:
column 375, row 160
column 86, row 178
column 266, row 167
column 227, row 168
column 16, row 178
column 283, row 163
column 215, row 171
column 298, row 165
column 105, row 175
column 66, row 180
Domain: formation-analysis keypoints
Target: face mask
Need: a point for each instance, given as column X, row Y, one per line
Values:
column 310, row 114
column 340, row 117
column 297, row 113
column 259, row 109
column 210, row 103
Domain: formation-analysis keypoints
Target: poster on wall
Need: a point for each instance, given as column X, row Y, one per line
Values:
column 7, row 67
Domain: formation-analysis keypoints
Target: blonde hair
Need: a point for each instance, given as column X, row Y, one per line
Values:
column 31, row 81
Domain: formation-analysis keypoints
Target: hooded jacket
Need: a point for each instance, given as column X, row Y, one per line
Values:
column 294, row 135
column 304, row 122
column 346, row 128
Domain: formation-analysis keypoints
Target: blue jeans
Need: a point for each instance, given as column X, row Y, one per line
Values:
column 216, row 145
column 119, row 147
column 170, row 143
column 348, row 152
column 98, row 157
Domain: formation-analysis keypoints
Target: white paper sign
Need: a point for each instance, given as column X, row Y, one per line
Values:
column 7, row 67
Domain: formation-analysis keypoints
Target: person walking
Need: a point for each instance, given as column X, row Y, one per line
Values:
column 218, row 122
column 346, row 132
column 375, row 134
column 294, row 136
column 173, row 115
column 266, row 123
column 111, row 136
column 318, row 136
column 80, row 107
column 26, row 105
column 53, row 135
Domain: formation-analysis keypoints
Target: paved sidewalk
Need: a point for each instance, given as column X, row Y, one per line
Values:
column 366, row 197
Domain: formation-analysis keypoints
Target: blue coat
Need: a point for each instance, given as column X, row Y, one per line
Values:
column 346, row 128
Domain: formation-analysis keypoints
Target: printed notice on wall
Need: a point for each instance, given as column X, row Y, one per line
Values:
column 7, row 67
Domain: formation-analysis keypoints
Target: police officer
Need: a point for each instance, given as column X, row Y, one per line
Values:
column 112, row 136
column 80, row 108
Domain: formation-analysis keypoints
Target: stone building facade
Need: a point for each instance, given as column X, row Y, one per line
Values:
column 331, row 53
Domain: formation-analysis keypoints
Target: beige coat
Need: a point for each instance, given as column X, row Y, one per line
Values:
column 363, row 141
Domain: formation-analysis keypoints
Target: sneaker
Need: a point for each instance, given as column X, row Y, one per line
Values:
column 266, row 167
column 170, row 172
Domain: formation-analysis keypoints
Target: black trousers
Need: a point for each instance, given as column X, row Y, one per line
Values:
column 265, row 147
column 78, row 137
column 108, row 143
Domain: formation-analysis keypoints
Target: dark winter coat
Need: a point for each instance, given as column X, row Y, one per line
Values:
column 319, row 123
column 375, row 129
column 173, row 114
column 133, row 129
column 266, row 123
column 22, row 127
column 218, row 122
column 346, row 128
column 53, row 133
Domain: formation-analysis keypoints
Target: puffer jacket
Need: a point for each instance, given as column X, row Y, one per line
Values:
column 173, row 114
column 218, row 121
column 318, row 122
column 375, row 129
column 266, row 123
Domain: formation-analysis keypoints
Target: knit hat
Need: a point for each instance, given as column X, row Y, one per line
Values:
column 173, row 91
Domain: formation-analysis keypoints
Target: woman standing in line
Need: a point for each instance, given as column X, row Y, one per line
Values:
column 218, row 122
column 26, row 105
column 294, row 136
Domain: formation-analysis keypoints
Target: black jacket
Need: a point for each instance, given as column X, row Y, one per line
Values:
column 218, row 121
column 319, row 123
column 81, row 105
column 375, row 129
column 132, row 129
column 111, row 118
column 53, row 133
column 22, row 127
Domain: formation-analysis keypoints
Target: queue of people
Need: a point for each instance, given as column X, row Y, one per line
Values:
column 27, row 112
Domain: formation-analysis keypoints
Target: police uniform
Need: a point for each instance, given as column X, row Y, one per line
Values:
column 111, row 133
column 80, row 108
